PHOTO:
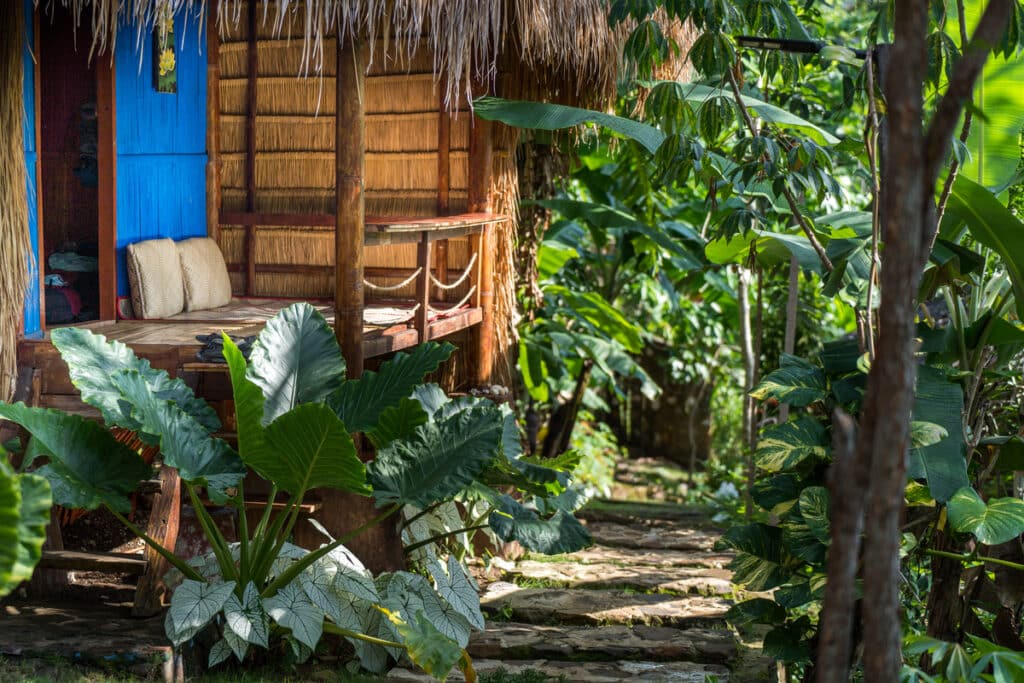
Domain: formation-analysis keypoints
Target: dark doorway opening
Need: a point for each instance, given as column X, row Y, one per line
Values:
column 69, row 143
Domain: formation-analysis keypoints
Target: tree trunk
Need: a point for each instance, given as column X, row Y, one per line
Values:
column 885, row 422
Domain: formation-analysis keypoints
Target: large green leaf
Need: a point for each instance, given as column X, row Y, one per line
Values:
column 184, row 444
column 797, row 382
column 762, row 561
column 295, row 360
column 610, row 218
column 24, row 513
column 787, row 445
column 999, row 521
column 427, row 647
column 397, row 422
column 814, row 509
column 698, row 94
column 309, row 447
column 92, row 361
column 10, row 515
column 560, row 533
column 34, row 515
column 249, row 409
column 772, row 248
column 360, row 403
column 593, row 309
column 542, row 116
column 88, row 466
column 439, row 459
column 942, row 464
column 994, row 226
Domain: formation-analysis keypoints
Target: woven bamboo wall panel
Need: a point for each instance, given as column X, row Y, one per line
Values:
column 316, row 170
column 378, row 203
column 384, row 133
column 288, row 95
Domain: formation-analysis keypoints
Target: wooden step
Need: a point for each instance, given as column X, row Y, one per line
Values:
column 112, row 563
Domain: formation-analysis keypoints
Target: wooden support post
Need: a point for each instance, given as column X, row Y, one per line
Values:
column 423, row 288
column 212, row 126
column 444, row 136
column 252, row 75
column 480, row 165
column 163, row 528
column 350, row 214
column 41, row 246
column 106, row 159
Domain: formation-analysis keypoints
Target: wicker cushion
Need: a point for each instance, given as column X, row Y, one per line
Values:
column 154, row 274
column 207, row 284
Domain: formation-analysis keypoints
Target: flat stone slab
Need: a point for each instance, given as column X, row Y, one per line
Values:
column 699, row 580
column 600, row 607
column 633, row 557
column 660, row 537
column 586, row 672
column 97, row 634
column 603, row 643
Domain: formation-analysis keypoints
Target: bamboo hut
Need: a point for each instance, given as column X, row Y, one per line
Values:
column 350, row 172
column 327, row 149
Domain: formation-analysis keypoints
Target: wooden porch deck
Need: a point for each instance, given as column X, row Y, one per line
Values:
column 171, row 345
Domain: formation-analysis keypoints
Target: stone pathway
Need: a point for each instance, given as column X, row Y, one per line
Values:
column 645, row 603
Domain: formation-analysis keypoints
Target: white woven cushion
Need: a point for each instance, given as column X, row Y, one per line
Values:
column 207, row 284
column 154, row 275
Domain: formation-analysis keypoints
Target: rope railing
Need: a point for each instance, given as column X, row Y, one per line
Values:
column 462, row 278
column 394, row 288
column 460, row 304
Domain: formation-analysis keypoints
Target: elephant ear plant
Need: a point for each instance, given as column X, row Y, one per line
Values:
column 296, row 415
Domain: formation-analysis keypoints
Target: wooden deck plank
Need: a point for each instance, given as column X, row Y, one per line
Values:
column 114, row 563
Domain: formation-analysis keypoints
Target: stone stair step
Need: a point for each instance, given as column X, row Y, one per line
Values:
column 586, row 672
column 699, row 580
column 632, row 557
column 600, row 607
column 503, row 640
column 654, row 537
column 630, row 511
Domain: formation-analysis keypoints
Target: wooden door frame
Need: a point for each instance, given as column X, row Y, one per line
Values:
column 106, row 119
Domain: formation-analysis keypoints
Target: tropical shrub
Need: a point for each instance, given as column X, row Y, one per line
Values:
column 296, row 416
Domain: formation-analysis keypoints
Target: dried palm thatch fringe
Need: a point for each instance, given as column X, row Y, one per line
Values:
column 15, row 248
column 570, row 38
column 505, row 194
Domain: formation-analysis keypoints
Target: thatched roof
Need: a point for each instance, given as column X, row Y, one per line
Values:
column 567, row 39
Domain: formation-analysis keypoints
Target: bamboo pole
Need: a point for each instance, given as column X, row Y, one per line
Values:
column 106, row 119
column 213, row 197
column 444, row 137
column 252, row 74
column 351, row 209
column 481, row 144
